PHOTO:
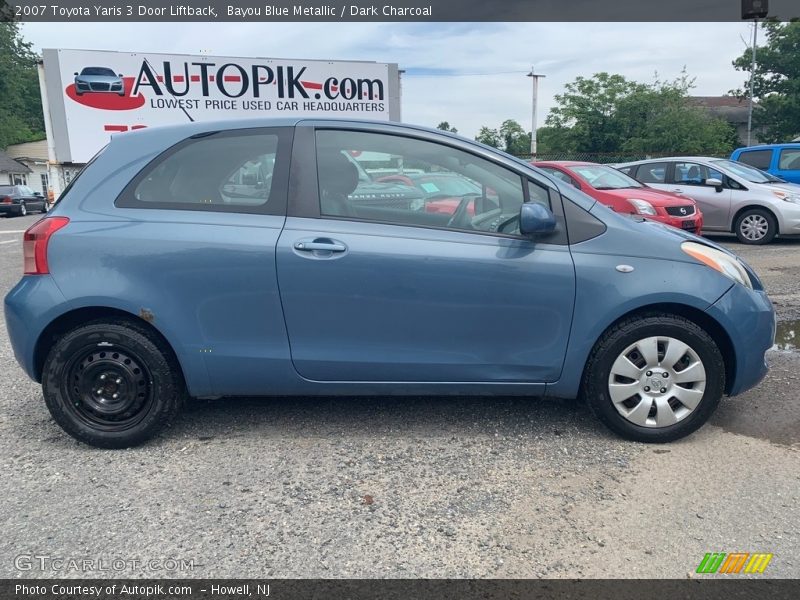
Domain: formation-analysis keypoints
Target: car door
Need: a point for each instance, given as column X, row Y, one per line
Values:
column 689, row 178
column 788, row 166
column 375, row 292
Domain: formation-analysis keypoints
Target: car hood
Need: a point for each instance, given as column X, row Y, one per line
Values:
column 791, row 188
column 654, row 197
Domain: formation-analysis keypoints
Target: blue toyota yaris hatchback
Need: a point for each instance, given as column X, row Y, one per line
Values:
column 267, row 258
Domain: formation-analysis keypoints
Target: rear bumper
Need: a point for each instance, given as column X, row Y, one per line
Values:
column 29, row 307
column 749, row 320
column 9, row 209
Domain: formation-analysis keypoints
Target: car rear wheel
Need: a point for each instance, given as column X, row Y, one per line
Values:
column 655, row 378
column 756, row 226
column 23, row 210
column 112, row 384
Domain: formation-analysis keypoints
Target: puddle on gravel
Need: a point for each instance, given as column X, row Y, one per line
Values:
column 786, row 336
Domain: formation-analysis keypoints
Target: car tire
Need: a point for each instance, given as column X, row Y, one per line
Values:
column 112, row 383
column 756, row 226
column 23, row 210
column 641, row 421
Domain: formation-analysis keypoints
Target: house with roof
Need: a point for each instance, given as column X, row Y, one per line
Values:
column 12, row 171
column 32, row 156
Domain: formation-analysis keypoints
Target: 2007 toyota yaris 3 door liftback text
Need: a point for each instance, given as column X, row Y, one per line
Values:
column 265, row 258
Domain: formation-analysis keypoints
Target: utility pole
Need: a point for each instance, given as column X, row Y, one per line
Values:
column 535, row 76
column 753, row 9
column 752, row 82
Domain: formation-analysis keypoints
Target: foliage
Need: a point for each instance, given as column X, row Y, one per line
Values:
column 776, row 85
column 21, row 118
column 608, row 114
column 445, row 126
column 490, row 137
column 510, row 137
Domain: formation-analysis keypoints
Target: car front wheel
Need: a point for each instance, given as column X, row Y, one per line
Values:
column 112, row 384
column 756, row 226
column 655, row 378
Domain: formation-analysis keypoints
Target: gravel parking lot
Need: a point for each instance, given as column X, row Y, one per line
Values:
column 410, row 487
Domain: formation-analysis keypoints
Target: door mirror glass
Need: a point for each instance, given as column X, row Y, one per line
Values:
column 535, row 219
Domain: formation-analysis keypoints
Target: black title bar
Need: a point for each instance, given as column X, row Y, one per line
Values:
column 383, row 10
column 732, row 588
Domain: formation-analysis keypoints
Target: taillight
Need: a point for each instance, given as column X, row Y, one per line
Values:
column 34, row 244
column 5, row 200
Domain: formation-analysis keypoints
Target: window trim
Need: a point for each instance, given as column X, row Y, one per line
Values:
column 275, row 204
column 304, row 198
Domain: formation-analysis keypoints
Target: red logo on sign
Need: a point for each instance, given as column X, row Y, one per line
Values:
column 108, row 101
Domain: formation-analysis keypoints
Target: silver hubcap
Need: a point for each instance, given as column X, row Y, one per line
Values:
column 23, row 210
column 657, row 382
column 754, row 227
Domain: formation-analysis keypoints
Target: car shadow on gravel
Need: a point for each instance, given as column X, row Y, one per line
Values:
column 379, row 416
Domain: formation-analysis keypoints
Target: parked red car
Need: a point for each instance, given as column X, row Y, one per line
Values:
column 624, row 194
column 443, row 192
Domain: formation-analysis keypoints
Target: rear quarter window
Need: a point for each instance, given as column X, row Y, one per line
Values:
column 233, row 171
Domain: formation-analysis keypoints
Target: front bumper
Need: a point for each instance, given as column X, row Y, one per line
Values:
column 692, row 223
column 749, row 320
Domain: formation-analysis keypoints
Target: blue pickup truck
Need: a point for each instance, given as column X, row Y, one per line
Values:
column 781, row 160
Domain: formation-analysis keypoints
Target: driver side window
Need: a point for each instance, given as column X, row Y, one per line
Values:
column 406, row 181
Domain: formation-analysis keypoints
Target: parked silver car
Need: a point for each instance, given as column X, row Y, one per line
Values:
column 733, row 196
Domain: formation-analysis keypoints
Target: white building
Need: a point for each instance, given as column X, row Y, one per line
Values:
column 33, row 156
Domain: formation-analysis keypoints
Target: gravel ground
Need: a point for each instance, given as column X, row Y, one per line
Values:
column 410, row 487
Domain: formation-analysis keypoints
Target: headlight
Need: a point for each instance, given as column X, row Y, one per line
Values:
column 643, row 207
column 787, row 196
column 719, row 261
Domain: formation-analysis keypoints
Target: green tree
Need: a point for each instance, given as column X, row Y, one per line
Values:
column 607, row 114
column 21, row 118
column 490, row 137
column 584, row 115
column 515, row 140
column 445, row 126
column 776, row 85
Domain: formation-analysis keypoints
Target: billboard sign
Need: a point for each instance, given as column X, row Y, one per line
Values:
column 93, row 94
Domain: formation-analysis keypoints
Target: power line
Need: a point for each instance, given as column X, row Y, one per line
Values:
column 408, row 74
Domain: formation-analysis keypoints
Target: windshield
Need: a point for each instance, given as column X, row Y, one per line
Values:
column 601, row 177
column 98, row 71
column 749, row 173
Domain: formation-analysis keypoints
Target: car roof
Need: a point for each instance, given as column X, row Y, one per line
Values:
column 769, row 146
column 670, row 158
column 566, row 163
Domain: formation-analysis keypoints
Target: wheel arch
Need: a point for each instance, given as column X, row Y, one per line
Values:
column 742, row 210
column 75, row 317
column 696, row 316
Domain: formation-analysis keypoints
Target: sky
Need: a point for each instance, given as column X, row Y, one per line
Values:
column 469, row 74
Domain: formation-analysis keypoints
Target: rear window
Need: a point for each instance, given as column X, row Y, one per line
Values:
column 225, row 171
column 652, row 173
column 6, row 190
column 759, row 159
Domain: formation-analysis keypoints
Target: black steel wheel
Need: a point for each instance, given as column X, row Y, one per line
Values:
column 112, row 384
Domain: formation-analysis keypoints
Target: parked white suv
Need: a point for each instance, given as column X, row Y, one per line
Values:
column 733, row 196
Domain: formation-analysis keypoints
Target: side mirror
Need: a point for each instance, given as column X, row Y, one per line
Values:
column 715, row 183
column 535, row 219
column 119, row 74
column 76, row 73
column 38, row 194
